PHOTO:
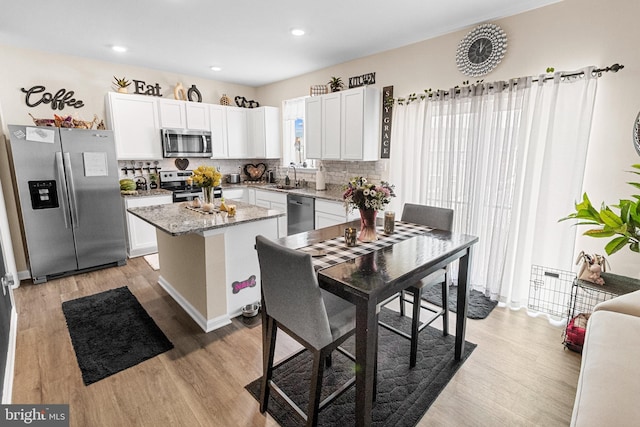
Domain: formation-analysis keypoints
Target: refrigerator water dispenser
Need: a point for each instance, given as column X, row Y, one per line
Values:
column 43, row 194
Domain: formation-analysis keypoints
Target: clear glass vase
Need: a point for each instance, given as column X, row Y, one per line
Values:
column 207, row 195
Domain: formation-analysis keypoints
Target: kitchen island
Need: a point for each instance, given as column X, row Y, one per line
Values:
column 208, row 263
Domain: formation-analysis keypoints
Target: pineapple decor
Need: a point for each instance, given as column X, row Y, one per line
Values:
column 225, row 100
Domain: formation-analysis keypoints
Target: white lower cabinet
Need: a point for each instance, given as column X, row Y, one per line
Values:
column 274, row 200
column 141, row 236
column 329, row 213
column 238, row 194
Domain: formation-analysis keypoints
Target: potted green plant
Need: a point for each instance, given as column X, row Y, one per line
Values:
column 336, row 84
column 121, row 84
column 623, row 224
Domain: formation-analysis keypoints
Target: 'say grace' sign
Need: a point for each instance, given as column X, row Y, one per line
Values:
column 387, row 110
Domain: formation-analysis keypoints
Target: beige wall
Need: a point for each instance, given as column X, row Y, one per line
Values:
column 90, row 80
column 567, row 36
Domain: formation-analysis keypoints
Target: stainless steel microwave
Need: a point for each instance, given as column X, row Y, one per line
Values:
column 186, row 143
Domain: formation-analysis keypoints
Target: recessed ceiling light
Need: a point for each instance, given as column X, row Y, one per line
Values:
column 216, row 69
column 297, row 32
column 119, row 48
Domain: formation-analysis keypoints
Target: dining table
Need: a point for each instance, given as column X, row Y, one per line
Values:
column 370, row 273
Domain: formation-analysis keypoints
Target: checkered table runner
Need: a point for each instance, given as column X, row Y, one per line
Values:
column 337, row 251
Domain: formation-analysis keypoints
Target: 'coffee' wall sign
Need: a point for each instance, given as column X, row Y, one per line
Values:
column 363, row 80
column 36, row 95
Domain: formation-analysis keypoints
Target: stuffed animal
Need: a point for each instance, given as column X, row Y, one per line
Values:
column 594, row 275
column 592, row 266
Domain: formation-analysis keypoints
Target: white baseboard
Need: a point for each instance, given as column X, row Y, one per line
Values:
column 22, row 275
column 7, row 387
column 206, row 325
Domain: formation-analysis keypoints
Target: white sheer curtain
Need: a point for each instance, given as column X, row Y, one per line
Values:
column 503, row 156
column 550, row 176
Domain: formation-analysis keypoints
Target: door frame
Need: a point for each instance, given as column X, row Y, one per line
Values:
column 11, row 269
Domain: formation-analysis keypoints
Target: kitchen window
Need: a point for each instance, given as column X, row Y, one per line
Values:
column 293, row 149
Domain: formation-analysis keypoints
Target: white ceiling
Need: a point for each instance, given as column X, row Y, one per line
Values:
column 248, row 39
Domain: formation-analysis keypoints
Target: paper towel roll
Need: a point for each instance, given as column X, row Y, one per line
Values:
column 320, row 179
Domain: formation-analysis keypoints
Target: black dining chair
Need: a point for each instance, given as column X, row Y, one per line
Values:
column 442, row 219
column 294, row 303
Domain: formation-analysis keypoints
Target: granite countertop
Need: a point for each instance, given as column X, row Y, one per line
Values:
column 147, row 193
column 333, row 192
column 176, row 219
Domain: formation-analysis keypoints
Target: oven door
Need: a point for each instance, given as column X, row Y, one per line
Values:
column 189, row 194
column 186, row 195
column 184, row 143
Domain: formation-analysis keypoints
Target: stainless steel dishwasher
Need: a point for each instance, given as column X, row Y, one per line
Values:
column 300, row 213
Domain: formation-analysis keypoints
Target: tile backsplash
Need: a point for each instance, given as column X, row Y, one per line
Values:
column 336, row 172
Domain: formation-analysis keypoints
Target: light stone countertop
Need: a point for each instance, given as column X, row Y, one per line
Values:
column 148, row 193
column 333, row 192
column 176, row 219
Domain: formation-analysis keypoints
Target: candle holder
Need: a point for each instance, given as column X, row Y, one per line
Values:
column 389, row 222
column 350, row 236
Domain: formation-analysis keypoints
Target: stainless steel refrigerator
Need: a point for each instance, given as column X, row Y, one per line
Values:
column 68, row 186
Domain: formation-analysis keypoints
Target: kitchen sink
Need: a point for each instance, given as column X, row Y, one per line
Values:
column 283, row 187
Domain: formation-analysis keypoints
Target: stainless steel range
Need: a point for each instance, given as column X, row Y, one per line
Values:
column 178, row 182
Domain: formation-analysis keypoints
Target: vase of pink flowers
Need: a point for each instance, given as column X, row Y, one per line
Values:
column 368, row 198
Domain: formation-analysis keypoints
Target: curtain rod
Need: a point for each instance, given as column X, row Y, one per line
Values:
column 597, row 72
column 429, row 93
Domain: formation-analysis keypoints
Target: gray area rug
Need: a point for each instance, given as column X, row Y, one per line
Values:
column 479, row 307
column 110, row 332
column 404, row 394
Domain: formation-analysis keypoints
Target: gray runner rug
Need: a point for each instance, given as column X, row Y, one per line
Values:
column 479, row 305
column 404, row 394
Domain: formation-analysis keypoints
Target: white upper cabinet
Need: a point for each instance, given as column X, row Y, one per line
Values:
column 343, row 125
column 172, row 113
column 313, row 127
column 236, row 133
column 360, row 124
column 253, row 133
column 134, row 120
column 264, row 133
column 176, row 114
column 197, row 115
column 331, row 122
column 218, row 121
column 237, row 137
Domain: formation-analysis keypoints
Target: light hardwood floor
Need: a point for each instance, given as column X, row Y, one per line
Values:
column 519, row 375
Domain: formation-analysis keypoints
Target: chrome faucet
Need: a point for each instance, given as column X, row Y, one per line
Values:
column 295, row 175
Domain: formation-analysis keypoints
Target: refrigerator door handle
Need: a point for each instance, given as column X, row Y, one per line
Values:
column 63, row 183
column 72, row 190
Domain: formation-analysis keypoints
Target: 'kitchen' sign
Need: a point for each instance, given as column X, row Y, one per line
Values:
column 363, row 80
